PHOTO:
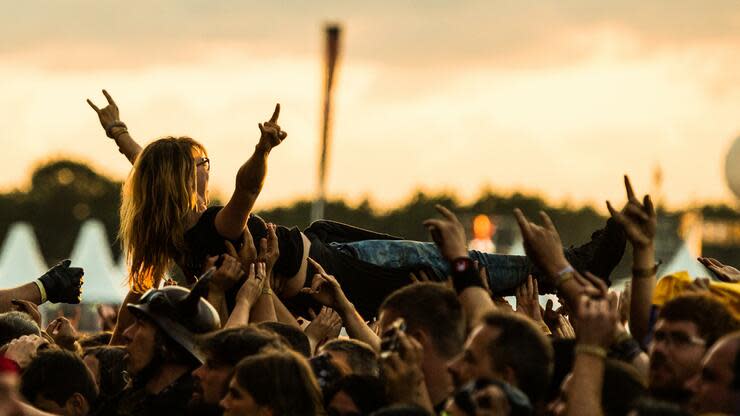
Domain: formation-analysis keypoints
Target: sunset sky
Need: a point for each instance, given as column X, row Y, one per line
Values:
column 554, row 97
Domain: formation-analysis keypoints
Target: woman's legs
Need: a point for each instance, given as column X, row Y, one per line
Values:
column 504, row 272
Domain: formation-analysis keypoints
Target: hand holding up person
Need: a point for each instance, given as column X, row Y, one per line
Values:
column 227, row 274
column 326, row 289
column 528, row 300
column 542, row 244
column 270, row 133
column 448, row 234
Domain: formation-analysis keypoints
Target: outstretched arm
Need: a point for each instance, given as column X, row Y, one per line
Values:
column 640, row 222
column 232, row 219
column 116, row 129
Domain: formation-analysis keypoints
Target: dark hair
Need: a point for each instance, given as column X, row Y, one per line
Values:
column 711, row 317
column 15, row 324
column 367, row 392
column 282, row 381
column 651, row 407
column 56, row 375
column 622, row 388
column 229, row 346
column 293, row 337
column 111, row 365
column 433, row 308
column 521, row 346
column 402, row 409
column 360, row 356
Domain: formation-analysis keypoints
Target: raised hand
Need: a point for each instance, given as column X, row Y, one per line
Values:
column 269, row 248
column 597, row 320
column 62, row 283
column 326, row 289
column 723, row 272
column 227, row 274
column 638, row 219
column 270, row 133
column 402, row 370
column 542, row 243
column 247, row 254
column 323, row 327
column 63, row 333
column 528, row 301
column 448, row 233
column 109, row 116
column 252, row 287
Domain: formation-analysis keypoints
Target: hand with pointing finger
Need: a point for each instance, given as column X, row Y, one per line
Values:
column 270, row 133
column 448, row 234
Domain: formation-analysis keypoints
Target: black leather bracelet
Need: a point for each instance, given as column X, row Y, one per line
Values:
column 464, row 274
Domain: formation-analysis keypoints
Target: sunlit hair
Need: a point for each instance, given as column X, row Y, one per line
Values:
column 158, row 196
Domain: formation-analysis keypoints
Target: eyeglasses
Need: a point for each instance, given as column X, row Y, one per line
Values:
column 204, row 161
column 677, row 338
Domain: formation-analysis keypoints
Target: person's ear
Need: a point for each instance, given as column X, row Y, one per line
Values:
column 422, row 337
column 77, row 405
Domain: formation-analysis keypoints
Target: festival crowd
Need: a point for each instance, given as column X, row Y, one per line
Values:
column 230, row 314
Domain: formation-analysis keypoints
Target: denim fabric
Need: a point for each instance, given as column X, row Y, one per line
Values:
column 504, row 272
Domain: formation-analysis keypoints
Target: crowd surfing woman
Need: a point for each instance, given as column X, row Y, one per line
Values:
column 165, row 219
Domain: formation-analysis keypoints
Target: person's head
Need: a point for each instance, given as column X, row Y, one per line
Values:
column 351, row 356
column 430, row 310
column 507, row 347
column 166, row 324
column 686, row 327
column 716, row 389
column 107, row 364
column 293, row 337
column 223, row 351
column 16, row 324
column 622, row 387
column 355, row 395
column 58, row 381
column 434, row 317
column 169, row 181
column 290, row 388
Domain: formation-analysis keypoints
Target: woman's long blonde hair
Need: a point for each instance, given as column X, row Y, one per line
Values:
column 158, row 197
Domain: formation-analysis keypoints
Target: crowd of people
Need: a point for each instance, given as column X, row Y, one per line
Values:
column 229, row 314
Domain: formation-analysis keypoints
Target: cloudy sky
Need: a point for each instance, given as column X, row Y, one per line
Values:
column 555, row 97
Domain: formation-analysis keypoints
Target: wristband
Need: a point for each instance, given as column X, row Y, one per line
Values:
column 118, row 134
column 267, row 291
column 42, row 290
column 109, row 128
column 592, row 350
column 464, row 274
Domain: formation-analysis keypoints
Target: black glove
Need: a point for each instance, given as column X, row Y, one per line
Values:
column 63, row 284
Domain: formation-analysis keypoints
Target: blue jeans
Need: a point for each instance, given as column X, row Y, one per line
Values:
column 504, row 272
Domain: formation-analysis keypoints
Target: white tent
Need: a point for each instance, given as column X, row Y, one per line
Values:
column 685, row 260
column 103, row 280
column 20, row 259
column 517, row 248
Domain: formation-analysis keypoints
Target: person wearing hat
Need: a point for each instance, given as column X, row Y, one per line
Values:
column 162, row 350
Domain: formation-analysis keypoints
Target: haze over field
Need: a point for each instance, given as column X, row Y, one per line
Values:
column 559, row 98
